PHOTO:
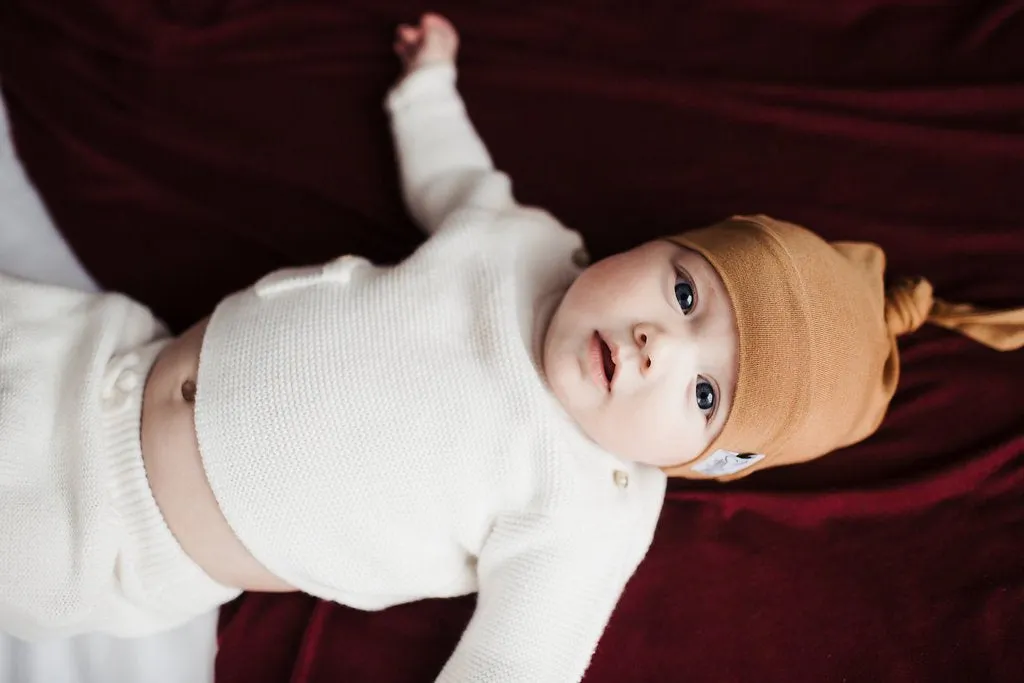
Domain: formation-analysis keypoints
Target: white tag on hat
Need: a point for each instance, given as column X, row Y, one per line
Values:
column 722, row 462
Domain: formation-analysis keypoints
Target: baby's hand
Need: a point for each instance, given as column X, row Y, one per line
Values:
column 434, row 40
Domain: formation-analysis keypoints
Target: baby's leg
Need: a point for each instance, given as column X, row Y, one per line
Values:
column 30, row 245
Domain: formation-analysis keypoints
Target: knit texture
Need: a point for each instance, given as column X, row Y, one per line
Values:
column 818, row 359
column 83, row 546
column 813, row 342
column 377, row 435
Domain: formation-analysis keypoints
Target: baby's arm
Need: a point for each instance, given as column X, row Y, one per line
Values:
column 443, row 163
column 545, row 596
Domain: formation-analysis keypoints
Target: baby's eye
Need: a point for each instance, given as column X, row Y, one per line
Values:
column 705, row 395
column 685, row 294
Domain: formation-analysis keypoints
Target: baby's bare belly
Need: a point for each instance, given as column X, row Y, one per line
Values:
column 174, row 467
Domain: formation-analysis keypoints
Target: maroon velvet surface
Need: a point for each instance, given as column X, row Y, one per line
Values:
column 187, row 147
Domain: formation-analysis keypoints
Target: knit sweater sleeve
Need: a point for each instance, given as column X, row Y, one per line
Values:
column 443, row 163
column 546, row 593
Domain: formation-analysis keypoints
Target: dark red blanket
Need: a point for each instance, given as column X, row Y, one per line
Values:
column 186, row 147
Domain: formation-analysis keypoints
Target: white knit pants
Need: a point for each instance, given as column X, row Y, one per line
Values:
column 83, row 546
column 31, row 246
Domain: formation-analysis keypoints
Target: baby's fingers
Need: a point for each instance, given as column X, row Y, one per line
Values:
column 408, row 39
column 439, row 36
column 409, row 34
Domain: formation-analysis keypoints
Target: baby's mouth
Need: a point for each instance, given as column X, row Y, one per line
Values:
column 606, row 361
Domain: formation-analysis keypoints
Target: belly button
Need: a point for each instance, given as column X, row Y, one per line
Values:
column 188, row 391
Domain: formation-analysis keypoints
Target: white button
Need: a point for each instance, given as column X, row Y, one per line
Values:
column 580, row 258
column 621, row 479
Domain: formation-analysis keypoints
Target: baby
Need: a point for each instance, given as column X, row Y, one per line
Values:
column 489, row 416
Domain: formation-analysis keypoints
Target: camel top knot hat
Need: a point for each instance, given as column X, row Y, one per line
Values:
column 817, row 358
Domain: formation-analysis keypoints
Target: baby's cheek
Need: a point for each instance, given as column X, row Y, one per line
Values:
column 618, row 432
column 669, row 435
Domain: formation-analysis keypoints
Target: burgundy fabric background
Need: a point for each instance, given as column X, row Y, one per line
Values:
column 187, row 147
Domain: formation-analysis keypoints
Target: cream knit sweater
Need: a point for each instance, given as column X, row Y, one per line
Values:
column 378, row 435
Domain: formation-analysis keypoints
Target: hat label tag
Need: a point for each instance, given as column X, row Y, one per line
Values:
column 723, row 462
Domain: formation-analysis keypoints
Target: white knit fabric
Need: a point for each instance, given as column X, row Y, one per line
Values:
column 83, row 546
column 377, row 435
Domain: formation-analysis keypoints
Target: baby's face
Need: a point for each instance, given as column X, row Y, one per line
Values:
column 642, row 353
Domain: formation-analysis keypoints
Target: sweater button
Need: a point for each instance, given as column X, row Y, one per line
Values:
column 580, row 258
column 621, row 479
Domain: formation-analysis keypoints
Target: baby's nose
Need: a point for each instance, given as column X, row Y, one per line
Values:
column 646, row 336
column 658, row 350
column 642, row 333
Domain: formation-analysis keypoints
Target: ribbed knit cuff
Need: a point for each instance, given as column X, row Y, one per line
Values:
column 433, row 81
